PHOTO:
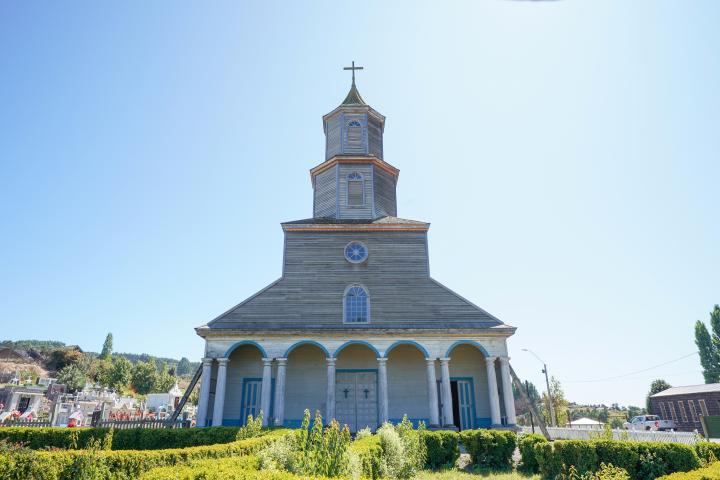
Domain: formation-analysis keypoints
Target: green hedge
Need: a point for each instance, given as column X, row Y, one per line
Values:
column 711, row 472
column 708, row 451
column 128, row 439
column 234, row 468
column 641, row 459
column 490, row 448
column 442, row 448
column 370, row 452
column 119, row 465
column 526, row 445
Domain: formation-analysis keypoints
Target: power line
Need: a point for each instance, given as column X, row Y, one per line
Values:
column 633, row 373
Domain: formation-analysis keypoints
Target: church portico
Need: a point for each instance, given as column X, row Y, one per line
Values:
column 360, row 382
column 356, row 327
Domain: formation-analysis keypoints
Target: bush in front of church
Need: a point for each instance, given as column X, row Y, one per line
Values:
column 491, row 449
column 442, row 448
column 526, row 445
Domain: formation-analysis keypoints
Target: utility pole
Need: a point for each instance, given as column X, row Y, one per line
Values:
column 527, row 390
column 551, row 407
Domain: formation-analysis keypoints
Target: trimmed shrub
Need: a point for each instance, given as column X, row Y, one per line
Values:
column 642, row 460
column 209, row 468
column 442, row 448
column 708, row 452
column 129, row 439
column 370, row 454
column 526, row 445
column 121, row 465
column 490, row 448
column 711, row 472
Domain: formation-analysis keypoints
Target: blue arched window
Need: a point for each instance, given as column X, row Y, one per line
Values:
column 356, row 305
column 355, row 189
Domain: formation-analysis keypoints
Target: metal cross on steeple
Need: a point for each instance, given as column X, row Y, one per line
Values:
column 353, row 68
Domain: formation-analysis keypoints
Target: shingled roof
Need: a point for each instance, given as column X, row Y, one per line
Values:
column 353, row 97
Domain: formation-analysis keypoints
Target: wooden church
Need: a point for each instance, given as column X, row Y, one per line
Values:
column 355, row 327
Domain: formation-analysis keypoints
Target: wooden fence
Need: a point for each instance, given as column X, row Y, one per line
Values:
column 124, row 424
column 557, row 433
column 25, row 423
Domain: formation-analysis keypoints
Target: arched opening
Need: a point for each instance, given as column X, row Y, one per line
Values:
column 356, row 386
column 243, row 385
column 305, row 382
column 356, row 304
column 469, row 386
column 407, row 384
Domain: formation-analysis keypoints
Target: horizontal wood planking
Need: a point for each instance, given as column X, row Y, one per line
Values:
column 357, row 212
column 384, row 192
column 325, row 194
column 402, row 295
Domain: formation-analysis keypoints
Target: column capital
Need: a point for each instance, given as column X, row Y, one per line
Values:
column 222, row 361
column 267, row 362
column 281, row 361
column 330, row 361
column 504, row 360
column 382, row 360
column 430, row 361
column 490, row 360
column 207, row 361
column 444, row 360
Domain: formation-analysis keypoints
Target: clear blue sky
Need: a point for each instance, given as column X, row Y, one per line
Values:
column 566, row 154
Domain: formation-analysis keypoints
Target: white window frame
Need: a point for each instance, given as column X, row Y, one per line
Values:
column 673, row 415
column 693, row 411
column 662, row 411
column 703, row 407
column 683, row 412
column 367, row 305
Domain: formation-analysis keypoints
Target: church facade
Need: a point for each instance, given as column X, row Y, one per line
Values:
column 355, row 327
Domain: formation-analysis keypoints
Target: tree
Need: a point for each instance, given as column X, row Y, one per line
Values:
column 709, row 346
column 107, row 347
column 558, row 401
column 62, row 357
column 656, row 386
column 72, row 377
column 163, row 380
column 143, row 377
column 183, row 367
column 117, row 374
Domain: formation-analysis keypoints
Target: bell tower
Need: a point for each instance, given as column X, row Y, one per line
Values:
column 354, row 182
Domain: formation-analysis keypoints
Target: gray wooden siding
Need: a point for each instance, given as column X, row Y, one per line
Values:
column 325, row 195
column 375, row 137
column 384, row 190
column 364, row 211
column 310, row 293
column 332, row 136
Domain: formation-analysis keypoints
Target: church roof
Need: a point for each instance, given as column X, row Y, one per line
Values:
column 353, row 97
column 356, row 221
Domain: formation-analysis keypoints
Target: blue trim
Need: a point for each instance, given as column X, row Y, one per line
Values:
column 307, row 342
column 356, row 342
column 407, row 342
column 414, row 421
column 482, row 422
column 350, row 370
column 467, row 342
column 246, row 342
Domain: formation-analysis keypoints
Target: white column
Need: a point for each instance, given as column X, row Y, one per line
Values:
column 219, row 407
column 382, row 389
column 266, row 390
column 507, row 390
column 280, row 392
column 432, row 392
column 493, row 391
column 446, row 393
column 330, row 398
column 201, row 418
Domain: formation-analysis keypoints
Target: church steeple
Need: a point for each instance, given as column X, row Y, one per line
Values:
column 354, row 182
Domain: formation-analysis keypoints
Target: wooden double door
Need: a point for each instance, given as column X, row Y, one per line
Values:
column 356, row 399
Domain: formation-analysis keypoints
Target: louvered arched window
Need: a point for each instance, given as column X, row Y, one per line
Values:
column 356, row 305
column 355, row 189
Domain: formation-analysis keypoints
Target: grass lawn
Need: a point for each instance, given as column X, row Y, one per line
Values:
column 461, row 475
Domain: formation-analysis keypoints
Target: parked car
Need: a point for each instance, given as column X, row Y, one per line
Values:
column 649, row 422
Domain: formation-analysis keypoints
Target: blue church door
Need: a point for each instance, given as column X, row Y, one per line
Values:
column 252, row 389
column 463, row 403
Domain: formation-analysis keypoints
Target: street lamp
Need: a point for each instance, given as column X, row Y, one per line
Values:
column 553, row 418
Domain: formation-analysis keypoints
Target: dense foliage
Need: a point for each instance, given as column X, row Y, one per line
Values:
column 442, row 448
column 526, row 445
column 709, row 346
column 641, row 460
column 489, row 448
column 95, row 463
column 126, row 439
column 710, row 472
